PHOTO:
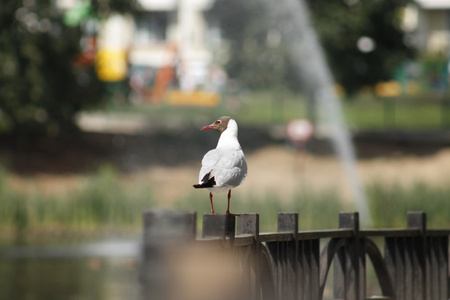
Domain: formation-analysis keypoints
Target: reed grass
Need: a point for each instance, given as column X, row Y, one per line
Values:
column 390, row 203
column 103, row 202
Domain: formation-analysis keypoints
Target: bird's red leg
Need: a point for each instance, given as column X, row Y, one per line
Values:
column 212, row 207
column 228, row 208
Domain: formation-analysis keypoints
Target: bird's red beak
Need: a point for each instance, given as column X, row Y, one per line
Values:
column 209, row 127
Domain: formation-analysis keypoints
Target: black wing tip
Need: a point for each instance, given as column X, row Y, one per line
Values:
column 208, row 184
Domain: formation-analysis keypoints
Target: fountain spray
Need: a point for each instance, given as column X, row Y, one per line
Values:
column 310, row 63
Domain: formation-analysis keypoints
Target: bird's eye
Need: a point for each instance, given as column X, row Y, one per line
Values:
column 219, row 122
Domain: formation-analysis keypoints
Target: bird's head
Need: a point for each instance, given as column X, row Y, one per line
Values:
column 220, row 124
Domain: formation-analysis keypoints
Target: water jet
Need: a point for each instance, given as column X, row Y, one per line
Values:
column 309, row 61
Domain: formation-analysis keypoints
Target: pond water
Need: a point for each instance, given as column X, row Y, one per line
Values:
column 104, row 270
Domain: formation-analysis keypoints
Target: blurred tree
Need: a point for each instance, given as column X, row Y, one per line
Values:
column 363, row 40
column 258, row 56
column 42, row 82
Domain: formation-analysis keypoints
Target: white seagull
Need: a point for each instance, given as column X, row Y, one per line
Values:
column 225, row 167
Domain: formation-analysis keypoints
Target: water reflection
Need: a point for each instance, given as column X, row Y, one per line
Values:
column 105, row 270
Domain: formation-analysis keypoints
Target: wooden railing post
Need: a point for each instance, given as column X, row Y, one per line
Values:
column 164, row 230
column 248, row 224
column 221, row 226
column 288, row 222
column 349, row 265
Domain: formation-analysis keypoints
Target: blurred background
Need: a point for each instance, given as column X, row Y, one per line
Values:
column 101, row 102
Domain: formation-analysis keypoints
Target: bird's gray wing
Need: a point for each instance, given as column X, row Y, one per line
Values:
column 208, row 162
column 229, row 168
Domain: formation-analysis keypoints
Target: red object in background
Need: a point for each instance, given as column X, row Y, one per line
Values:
column 164, row 75
column 89, row 52
column 299, row 132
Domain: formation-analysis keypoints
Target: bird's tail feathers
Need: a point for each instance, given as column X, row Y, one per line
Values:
column 206, row 184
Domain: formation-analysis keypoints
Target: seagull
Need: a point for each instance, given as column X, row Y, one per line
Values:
column 224, row 167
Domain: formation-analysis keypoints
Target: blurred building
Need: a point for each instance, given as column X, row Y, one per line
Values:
column 164, row 43
column 430, row 20
column 171, row 44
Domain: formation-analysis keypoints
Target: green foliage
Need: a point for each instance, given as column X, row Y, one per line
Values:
column 42, row 83
column 340, row 25
column 41, row 88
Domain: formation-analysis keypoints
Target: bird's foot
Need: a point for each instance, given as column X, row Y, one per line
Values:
column 230, row 214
